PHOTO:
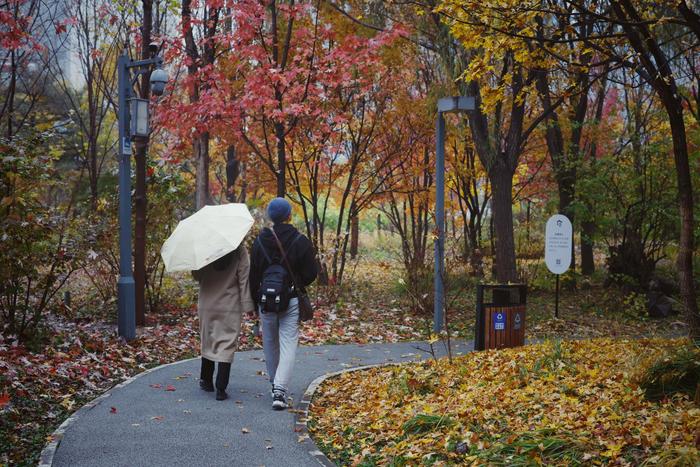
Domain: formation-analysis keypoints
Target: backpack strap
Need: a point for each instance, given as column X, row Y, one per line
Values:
column 284, row 257
column 283, row 253
column 263, row 250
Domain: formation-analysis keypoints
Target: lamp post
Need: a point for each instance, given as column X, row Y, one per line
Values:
column 444, row 105
column 133, row 123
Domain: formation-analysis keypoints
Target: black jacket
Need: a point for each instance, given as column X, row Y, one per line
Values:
column 300, row 255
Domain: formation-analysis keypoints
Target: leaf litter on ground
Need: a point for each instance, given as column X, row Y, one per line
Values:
column 555, row 403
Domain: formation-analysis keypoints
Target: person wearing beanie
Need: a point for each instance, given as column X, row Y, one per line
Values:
column 280, row 326
column 279, row 210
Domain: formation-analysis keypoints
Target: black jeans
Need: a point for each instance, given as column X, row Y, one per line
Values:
column 207, row 373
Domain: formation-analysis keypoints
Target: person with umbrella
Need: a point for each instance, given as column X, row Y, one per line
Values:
column 209, row 243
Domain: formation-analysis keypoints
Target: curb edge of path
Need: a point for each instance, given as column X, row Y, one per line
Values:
column 49, row 451
column 302, row 410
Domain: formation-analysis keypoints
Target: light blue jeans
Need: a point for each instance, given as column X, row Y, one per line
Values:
column 280, row 333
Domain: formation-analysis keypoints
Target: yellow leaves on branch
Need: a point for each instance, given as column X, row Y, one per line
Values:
column 554, row 403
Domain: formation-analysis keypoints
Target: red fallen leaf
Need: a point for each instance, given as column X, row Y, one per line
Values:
column 113, row 410
column 156, row 386
column 4, row 400
column 170, row 387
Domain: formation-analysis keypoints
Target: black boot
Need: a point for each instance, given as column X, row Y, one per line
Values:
column 222, row 375
column 206, row 375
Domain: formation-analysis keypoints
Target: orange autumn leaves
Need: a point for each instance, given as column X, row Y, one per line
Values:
column 553, row 403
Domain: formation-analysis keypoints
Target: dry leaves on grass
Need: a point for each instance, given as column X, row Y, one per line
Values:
column 555, row 403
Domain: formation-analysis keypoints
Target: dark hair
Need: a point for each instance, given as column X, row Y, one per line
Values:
column 224, row 262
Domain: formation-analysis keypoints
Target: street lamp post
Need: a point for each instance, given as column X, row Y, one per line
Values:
column 126, row 301
column 445, row 105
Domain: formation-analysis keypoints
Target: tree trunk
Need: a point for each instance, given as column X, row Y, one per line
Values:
column 281, row 160
column 201, row 155
column 92, row 135
column 502, row 189
column 685, row 198
column 566, row 182
column 140, row 199
column 527, row 222
column 92, row 156
column 11, row 94
column 233, row 170
column 354, row 236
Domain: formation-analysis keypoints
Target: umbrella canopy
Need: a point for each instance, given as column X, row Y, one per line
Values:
column 206, row 236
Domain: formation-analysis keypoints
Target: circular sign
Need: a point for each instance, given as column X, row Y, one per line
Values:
column 558, row 238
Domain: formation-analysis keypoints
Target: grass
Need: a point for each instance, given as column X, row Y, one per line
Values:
column 676, row 372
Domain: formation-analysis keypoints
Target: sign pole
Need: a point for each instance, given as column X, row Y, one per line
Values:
column 556, row 299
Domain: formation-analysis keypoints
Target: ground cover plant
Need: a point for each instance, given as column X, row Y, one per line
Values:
column 555, row 403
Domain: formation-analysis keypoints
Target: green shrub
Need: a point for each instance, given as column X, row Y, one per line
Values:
column 40, row 241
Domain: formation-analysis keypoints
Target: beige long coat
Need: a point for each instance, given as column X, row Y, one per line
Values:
column 223, row 297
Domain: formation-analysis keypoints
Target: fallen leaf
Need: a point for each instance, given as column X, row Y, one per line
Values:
column 67, row 403
column 112, row 410
column 158, row 418
column 4, row 399
column 170, row 387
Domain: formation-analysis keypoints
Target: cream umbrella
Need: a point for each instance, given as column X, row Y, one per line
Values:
column 206, row 236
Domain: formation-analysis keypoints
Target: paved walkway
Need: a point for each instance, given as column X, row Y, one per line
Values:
column 163, row 418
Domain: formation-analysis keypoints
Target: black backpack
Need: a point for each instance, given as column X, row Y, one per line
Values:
column 276, row 285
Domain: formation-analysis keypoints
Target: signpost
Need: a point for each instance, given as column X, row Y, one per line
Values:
column 557, row 249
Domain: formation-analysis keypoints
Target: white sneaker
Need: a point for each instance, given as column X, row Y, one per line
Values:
column 279, row 399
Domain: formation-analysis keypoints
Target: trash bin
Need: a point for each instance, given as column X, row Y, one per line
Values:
column 500, row 316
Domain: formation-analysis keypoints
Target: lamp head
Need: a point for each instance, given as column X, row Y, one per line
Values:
column 158, row 80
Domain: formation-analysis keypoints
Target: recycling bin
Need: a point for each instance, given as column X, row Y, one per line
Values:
column 500, row 316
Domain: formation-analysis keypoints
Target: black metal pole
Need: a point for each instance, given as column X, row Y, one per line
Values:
column 556, row 299
column 126, row 318
column 479, row 327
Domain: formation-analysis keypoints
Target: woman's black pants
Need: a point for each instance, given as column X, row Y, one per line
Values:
column 207, row 373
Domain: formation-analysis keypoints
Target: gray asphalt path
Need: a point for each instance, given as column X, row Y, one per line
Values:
column 143, row 424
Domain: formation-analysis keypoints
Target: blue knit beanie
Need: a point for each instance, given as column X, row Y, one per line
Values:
column 279, row 210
